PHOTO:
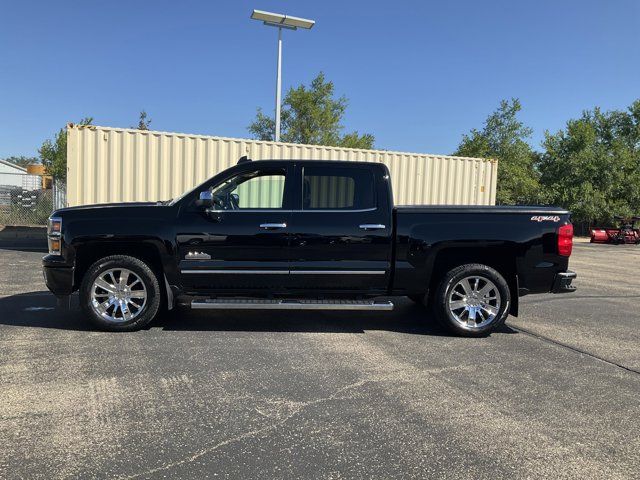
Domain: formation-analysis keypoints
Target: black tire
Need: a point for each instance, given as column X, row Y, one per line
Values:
column 153, row 300
column 440, row 300
column 417, row 299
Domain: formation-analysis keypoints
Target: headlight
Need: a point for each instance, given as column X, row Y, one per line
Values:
column 54, row 235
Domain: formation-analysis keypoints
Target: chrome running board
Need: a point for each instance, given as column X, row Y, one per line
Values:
column 285, row 304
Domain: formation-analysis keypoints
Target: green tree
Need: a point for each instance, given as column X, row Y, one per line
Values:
column 311, row 115
column 53, row 153
column 143, row 121
column 22, row 161
column 504, row 138
column 592, row 167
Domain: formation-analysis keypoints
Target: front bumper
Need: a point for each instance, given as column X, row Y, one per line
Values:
column 58, row 277
column 562, row 282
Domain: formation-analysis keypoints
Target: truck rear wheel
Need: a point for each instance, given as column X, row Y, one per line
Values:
column 472, row 300
column 120, row 293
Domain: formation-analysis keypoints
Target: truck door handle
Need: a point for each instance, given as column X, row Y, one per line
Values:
column 372, row 226
column 273, row 226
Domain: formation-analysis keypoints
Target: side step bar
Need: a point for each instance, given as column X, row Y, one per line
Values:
column 267, row 304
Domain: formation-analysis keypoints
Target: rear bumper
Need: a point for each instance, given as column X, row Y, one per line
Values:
column 562, row 282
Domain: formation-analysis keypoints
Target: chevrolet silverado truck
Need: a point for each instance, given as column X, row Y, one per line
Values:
column 305, row 235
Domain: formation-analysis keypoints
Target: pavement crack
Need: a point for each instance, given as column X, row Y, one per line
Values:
column 575, row 349
column 300, row 406
column 555, row 298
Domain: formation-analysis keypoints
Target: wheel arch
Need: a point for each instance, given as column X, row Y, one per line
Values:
column 89, row 252
column 500, row 258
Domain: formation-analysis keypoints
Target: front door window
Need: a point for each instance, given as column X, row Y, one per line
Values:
column 251, row 190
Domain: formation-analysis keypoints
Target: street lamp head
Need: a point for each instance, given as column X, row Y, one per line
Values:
column 282, row 21
column 299, row 22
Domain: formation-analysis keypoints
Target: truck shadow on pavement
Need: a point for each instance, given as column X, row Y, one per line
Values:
column 38, row 310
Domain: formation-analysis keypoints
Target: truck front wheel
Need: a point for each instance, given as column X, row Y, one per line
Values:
column 120, row 293
column 472, row 300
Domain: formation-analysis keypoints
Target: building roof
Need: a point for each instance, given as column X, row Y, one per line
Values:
column 13, row 165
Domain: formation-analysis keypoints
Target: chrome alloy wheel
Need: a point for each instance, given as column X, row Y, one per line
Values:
column 118, row 295
column 474, row 302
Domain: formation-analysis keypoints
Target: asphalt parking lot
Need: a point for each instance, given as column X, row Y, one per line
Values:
column 555, row 394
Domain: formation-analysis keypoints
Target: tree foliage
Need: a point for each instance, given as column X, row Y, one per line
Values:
column 592, row 166
column 313, row 116
column 143, row 121
column 53, row 153
column 22, row 161
column 504, row 138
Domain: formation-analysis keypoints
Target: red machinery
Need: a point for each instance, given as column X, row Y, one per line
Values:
column 626, row 233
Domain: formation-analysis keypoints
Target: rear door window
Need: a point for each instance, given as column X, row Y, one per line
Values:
column 337, row 188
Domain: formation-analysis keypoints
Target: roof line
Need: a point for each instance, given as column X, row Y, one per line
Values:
column 9, row 164
column 265, row 142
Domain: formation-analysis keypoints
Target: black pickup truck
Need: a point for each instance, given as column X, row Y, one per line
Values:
column 305, row 235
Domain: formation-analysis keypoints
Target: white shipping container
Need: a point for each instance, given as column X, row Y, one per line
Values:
column 107, row 164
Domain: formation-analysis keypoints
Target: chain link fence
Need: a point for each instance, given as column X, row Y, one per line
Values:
column 27, row 199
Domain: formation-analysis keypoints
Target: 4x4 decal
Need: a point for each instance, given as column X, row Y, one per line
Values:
column 545, row 218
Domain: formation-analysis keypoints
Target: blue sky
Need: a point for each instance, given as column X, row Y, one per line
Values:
column 417, row 74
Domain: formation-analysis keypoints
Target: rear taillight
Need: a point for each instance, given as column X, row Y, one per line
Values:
column 565, row 240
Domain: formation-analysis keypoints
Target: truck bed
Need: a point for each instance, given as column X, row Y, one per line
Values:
column 521, row 239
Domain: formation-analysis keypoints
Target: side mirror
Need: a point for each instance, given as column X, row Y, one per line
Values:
column 205, row 200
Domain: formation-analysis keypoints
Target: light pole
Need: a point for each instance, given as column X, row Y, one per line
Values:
column 290, row 23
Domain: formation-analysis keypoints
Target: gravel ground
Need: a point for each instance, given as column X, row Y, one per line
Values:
column 555, row 394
